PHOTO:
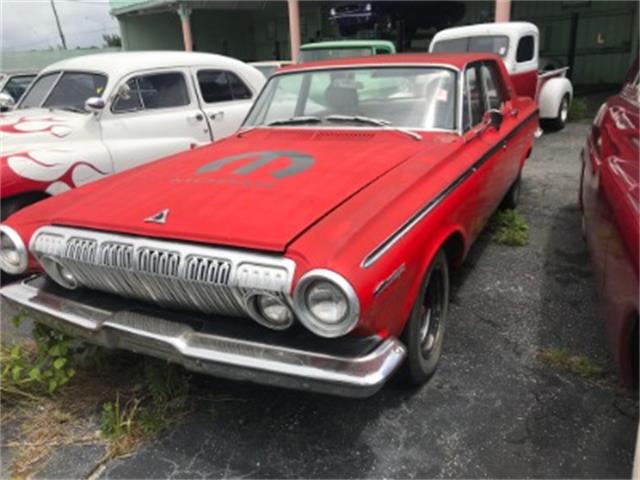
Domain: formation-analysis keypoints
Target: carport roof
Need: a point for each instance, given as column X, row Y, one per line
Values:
column 125, row 7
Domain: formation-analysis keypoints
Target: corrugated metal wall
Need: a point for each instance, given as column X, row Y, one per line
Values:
column 606, row 36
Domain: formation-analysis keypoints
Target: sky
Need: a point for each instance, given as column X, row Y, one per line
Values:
column 30, row 24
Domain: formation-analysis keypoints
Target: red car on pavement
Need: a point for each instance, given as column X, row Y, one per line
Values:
column 311, row 249
column 609, row 198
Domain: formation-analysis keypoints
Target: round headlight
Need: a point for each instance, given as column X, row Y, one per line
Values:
column 326, row 303
column 13, row 254
column 59, row 273
column 275, row 311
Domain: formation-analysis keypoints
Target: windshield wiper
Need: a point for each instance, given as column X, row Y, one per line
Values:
column 372, row 121
column 295, row 121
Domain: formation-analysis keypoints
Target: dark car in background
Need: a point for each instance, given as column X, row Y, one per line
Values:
column 610, row 202
column 385, row 16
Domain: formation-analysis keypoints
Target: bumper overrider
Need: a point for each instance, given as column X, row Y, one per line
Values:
column 348, row 366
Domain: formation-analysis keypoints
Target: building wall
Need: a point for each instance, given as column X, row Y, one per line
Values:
column 607, row 33
column 157, row 31
column 606, row 39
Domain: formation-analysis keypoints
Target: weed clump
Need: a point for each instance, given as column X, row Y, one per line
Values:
column 576, row 364
column 510, row 228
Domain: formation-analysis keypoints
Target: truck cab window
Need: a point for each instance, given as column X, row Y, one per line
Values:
column 525, row 50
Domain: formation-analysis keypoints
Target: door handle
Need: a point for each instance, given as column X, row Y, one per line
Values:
column 504, row 144
column 198, row 117
column 216, row 115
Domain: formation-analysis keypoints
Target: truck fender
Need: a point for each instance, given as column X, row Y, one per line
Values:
column 552, row 93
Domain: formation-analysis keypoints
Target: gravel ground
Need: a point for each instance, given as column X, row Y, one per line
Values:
column 493, row 409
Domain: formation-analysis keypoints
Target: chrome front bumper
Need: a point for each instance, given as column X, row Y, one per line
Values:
column 228, row 348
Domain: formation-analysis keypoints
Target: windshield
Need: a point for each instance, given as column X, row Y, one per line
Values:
column 67, row 91
column 328, row 53
column 498, row 44
column 420, row 98
column 17, row 84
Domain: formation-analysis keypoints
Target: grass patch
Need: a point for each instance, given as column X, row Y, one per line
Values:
column 576, row 364
column 510, row 228
column 578, row 110
column 160, row 397
column 80, row 406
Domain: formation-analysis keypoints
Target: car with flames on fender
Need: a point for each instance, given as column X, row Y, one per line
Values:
column 610, row 202
column 91, row 116
column 309, row 250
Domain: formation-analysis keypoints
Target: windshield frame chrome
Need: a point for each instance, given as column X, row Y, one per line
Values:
column 298, row 69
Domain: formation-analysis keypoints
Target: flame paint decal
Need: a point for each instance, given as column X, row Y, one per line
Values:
column 51, row 170
column 56, row 126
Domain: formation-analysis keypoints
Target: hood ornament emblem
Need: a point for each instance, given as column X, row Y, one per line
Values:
column 160, row 217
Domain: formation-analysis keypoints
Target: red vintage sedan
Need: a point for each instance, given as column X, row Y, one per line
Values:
column 310, row 250
column 609, row 198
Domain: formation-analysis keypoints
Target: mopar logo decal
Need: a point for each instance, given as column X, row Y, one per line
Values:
column 298, row 163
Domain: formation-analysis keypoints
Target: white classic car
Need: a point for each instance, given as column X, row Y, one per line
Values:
column 92, row 116
column 517, row 43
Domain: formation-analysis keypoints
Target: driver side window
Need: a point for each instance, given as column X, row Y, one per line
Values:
column 154, row 91
column 483, row 91
column 493, row 89
column 473, row 105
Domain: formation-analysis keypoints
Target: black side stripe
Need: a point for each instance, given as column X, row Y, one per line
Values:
column 417, row 217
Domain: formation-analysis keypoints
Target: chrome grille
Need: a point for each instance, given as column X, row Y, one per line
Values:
column 208, row 270
column 211, row 280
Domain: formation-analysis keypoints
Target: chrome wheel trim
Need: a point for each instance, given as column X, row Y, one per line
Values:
column 564, row 110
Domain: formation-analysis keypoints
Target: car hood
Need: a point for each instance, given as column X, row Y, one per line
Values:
column 259, row 190
column 21, row 130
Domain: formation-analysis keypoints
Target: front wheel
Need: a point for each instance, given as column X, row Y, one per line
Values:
column 424, row 333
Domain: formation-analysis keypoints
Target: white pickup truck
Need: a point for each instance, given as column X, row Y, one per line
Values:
column 518, row 44
column 92, row 116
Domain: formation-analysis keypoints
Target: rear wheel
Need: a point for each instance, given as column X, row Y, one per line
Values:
column 424, row 333
column 512, row 198
column 560, row 121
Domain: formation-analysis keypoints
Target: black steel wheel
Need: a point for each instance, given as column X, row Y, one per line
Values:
column 512, row 198
column 424, row 333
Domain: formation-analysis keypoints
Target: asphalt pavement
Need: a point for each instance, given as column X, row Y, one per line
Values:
column 493, row 409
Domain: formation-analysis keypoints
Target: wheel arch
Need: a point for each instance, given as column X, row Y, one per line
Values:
column 454, row 244
column 8, row 204
column 552, row 93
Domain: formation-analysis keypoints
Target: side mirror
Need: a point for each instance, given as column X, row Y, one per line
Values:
column 94, row 104
column 494, row 118
column 7, row 102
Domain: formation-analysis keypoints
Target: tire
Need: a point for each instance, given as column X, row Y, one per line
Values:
column 424, row 332
column 9, row 206
column 560, row 121
column 512, row 198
